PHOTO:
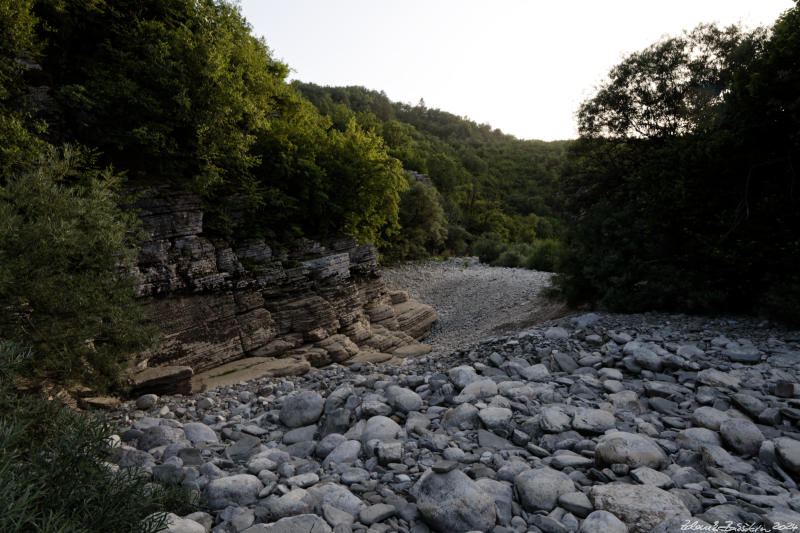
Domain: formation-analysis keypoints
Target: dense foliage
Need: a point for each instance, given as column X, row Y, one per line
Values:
column 181, row 92
column 683, row 186
column 53, row 474
column 487, row 182
column 66, row 252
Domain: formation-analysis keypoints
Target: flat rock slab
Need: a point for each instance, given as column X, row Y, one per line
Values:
column 247, row 369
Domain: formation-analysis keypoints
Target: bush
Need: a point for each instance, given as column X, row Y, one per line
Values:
column 488, row 247
column 66, row 253
column 53, row 474
column 545, row 255
column 513, row 256
column 457, row 240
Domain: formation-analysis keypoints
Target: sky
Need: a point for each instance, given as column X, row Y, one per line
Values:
column 522, row 66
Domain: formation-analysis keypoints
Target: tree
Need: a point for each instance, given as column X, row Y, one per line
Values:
column 66, row 255
column 680, row 191
column 670, row 88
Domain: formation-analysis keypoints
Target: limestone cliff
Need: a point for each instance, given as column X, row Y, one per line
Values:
column 216, row 302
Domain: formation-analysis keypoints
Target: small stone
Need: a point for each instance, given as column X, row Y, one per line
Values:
column 556, row 334
column 576, row 503
column 442, row 467
column 453, row 502
column 741, row 435
column 376, row 513
column 241, row 489
column 198, row 432
column 146, row 401
column 540, row 488
column 632, row 449
column 648, row 476
column 301, row 409
column 643, row 507
column 602, row 522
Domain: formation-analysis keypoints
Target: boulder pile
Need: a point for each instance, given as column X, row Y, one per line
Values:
column 591, row 424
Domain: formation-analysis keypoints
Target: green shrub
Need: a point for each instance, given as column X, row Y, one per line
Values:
column 66, row 253
column 513, row 256
column 545, row 255
column 53, row 475
column 488, row 247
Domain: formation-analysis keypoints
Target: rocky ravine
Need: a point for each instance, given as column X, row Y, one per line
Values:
column 595, row 423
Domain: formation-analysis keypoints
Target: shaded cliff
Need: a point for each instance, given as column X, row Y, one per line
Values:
column 218, row 302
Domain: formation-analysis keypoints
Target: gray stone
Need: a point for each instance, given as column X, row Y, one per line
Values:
column 696, row 438
column 241, row 489
column 461, row 376
column 376, row 513
column 540, row 488
column 708, row 417
column 743, row 354
column 146, row 401
column 477, row 390
column 335, row 516
column 464, row 416
column 788, row 453
column 155, row 436
column 453, row 502
column 327, row 444
column 301, row 434
column 301, row 409
column 198, row 432
column 602, row 522
column 632, row 449
column 648, row 476
column 556, row 334
column 495, row 417
column 553, row 419
column 307, row 523
column 593, row 421
column 626, row 400
column 346, row 452
column 176, row 524
column 337, row 496
column 295, row 502
column 381, row 428
column 403, row 399
column 741, row 435
column 717, row 378
column 576, row 503
column 502, row 493
column 642, row 507
column 244, row 448
column 718, row 457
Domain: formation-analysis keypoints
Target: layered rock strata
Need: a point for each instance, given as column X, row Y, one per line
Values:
column 218, row 302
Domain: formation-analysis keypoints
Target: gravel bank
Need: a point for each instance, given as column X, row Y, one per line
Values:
column 474, row 300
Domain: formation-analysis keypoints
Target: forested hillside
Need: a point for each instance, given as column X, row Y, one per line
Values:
column 494, row 189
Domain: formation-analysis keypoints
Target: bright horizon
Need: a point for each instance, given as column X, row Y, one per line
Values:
column 521, row 66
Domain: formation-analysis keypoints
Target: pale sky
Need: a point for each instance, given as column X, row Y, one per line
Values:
column 522, row 66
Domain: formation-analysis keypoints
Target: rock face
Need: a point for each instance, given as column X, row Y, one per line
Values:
column 218, row 302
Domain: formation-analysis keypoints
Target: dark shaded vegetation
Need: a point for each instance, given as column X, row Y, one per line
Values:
column 683, row 189
column 53, row 474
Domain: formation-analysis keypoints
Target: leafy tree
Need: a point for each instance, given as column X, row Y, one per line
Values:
column 172, row 90
column 423, row 226
column 670, row 88
column 682, row 199
column 66, row 255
